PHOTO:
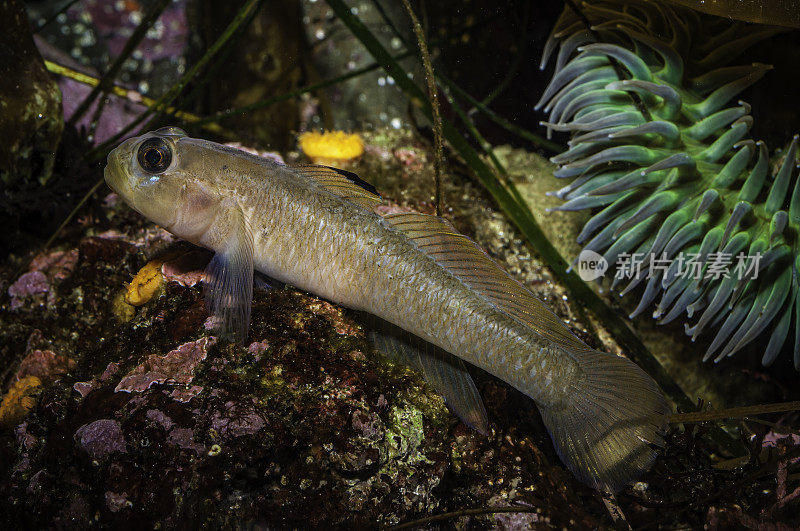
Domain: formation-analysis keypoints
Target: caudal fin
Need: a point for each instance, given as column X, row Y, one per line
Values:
column 608, row 429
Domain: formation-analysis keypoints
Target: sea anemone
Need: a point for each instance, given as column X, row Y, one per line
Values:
column 668, row 168
column 332, row 147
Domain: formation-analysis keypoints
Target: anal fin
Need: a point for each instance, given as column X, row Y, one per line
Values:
column 446, row 373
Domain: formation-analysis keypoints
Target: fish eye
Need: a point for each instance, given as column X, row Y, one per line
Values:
column 154, row 155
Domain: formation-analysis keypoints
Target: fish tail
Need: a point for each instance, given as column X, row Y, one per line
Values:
column 607, row 429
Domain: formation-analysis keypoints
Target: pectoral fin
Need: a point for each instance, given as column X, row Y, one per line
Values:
column 445, row 372
column 229, row 280
column 265, row 283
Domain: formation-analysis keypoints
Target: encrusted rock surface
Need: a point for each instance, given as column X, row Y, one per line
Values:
column 145, row 419
column 156, row 421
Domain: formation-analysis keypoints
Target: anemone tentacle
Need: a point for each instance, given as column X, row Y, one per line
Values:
column 681, row 180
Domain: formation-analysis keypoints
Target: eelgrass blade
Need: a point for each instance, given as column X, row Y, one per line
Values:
column 164, row 101
column 107, row 79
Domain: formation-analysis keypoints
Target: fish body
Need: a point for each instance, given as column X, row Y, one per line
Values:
column 437, row 298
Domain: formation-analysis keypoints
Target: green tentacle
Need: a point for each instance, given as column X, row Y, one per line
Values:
column 683, row 178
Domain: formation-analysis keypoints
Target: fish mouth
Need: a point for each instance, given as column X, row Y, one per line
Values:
column 114, row 173
column 107, row 174
column 111, row 172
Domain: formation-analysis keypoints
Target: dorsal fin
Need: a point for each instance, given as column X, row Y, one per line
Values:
column 437, row 238
column 353, row 177
column 343, row 183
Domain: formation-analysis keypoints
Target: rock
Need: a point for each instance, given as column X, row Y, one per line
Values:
column 304, row 425
column 101, row 438
column 269, row 61
column 27, row 286
column 45, row 365
column 30, row 103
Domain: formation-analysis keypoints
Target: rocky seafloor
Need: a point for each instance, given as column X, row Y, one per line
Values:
column 132, row 416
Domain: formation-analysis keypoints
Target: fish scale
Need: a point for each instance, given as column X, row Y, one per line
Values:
column 394, row 280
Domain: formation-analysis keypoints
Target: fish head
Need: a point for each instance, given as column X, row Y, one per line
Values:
column 160, row 175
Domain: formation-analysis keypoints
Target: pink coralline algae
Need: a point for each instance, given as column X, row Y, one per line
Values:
column 57, row 265
column 184, row 438
column 335, row 316
column 775, row 440
column 151, row 236
column 116, row 502
column 28, row 285
column 185, row 394
column 521, row 520
column 257, row 348
column 45, row 365
column 212, row 322
column 176, row 367
column 101, row 438
column 369, row 424
column 159, row 417
column 84, row 388
column 44, row 269
column 187, row 269
column 24, row 439
column 180, row 437
column 412, row 159
column 111, row 234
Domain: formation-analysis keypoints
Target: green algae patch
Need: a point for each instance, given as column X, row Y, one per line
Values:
column 428, row 403
column 272, row 385
column 404, row 434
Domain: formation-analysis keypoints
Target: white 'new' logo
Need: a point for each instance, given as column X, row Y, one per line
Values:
column 591, row 265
